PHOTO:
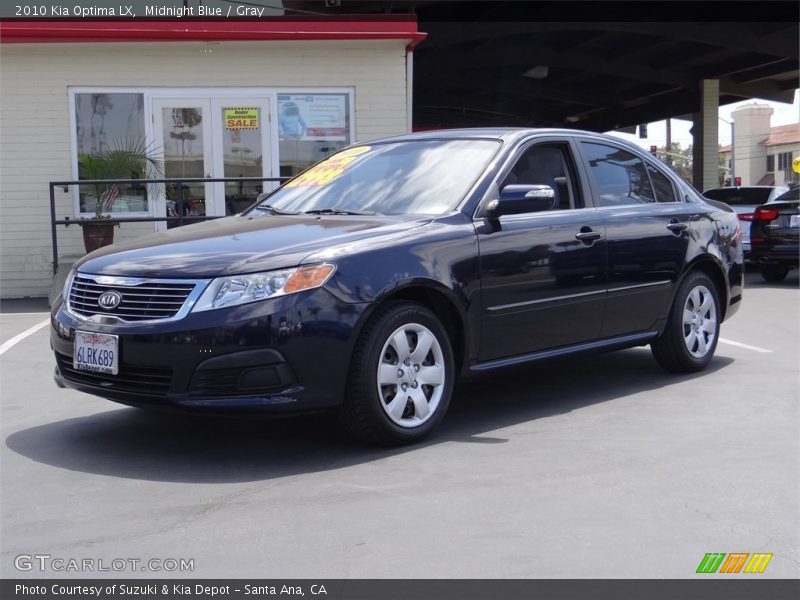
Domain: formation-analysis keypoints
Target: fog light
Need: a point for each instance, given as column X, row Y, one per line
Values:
column 262, row 377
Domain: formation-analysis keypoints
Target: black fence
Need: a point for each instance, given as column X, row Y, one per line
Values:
column 181, row 219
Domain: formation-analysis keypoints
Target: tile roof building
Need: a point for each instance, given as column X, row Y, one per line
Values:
column 763, row 154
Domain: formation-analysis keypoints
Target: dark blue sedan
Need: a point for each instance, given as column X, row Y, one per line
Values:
column 370, row 282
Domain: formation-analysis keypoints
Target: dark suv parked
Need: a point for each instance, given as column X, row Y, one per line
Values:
column 371, row 281
column 775, row 235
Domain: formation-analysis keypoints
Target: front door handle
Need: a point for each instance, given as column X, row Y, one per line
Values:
column 587, row 236
column 677, row 226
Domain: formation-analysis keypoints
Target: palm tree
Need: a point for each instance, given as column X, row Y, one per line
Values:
column 130, row 159
column 127, row 159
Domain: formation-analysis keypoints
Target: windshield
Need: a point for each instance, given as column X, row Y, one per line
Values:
column 427, row 177
column 792, row 194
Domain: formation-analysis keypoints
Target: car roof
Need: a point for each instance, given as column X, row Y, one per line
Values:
column 503, row 134
column 492, row 133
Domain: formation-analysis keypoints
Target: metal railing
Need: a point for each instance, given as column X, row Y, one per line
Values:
column 181, row 219
column 790, row 177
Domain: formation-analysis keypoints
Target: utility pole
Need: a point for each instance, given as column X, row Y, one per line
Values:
column 669, row 141
column 733, row 153
column 733, row 149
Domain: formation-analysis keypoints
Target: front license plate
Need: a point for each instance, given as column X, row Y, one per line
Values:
column 794, row 221
column 96, row 352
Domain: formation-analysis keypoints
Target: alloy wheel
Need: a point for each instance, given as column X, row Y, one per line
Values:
column 411, row 375
column 700, row 323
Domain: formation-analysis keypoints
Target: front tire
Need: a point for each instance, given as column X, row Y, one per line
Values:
column 401, row 377
column 690, row 338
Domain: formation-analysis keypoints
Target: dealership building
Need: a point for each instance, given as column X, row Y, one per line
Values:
column 208, row 99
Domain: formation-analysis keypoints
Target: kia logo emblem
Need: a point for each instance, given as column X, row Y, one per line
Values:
column 109, row 300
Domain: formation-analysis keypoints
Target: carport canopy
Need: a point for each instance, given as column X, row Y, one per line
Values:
column 556, row 64
column 595, row 76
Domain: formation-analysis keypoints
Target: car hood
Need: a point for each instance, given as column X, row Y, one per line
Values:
column 241, row 244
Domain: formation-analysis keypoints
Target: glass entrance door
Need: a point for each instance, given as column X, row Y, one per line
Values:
column 212, row 137
column 241, row 149
column 182, row 129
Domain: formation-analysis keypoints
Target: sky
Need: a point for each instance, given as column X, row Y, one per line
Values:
column 785, row 114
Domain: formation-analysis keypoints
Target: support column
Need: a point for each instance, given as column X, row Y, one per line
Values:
column 409, row 91
column 705, row 133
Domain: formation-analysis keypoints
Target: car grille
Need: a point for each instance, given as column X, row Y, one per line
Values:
column 142, row 300
column 140, row 379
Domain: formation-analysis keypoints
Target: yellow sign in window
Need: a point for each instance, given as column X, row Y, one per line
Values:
column 241, row 117
column 327, row 170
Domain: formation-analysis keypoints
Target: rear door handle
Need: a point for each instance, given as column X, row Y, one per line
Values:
column 588, row 235
column 677, row 227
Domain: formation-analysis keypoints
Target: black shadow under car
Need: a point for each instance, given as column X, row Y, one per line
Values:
column 373, row 280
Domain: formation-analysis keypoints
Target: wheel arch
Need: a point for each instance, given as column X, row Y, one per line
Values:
column 441, row 302
column 710, row 266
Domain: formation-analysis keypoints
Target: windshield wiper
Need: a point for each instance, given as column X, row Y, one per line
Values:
column 338, row 211
column 273, row 211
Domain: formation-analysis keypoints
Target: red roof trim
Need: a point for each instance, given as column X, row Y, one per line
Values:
column 44, row 32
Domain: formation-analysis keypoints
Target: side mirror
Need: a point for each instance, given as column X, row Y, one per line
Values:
column 521, row 199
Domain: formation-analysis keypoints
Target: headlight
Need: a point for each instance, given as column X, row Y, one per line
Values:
column 241, row 289
column 67, row 281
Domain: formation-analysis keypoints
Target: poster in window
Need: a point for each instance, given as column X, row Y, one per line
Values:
column 312, row 117
column 241, row 117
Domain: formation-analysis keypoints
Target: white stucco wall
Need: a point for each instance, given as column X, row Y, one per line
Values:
column 752, row 127
column 35, row 121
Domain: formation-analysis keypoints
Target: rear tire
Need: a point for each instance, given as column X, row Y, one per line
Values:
column 690, row 337
column 774, row 272
column 401, row 376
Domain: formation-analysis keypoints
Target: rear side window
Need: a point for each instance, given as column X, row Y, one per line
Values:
column 620, row 176
column 793, row 194
column 665, row 191
column 739, row 196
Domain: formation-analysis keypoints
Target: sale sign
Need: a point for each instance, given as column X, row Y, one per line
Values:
column 327, row 170
column 241, row 117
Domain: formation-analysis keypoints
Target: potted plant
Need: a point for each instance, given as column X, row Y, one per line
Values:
column 129, row 159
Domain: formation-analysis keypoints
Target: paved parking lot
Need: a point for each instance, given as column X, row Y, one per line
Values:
column 598, row 467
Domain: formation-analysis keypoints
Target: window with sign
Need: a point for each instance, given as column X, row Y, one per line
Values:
column 243, row 155
column 311, row 127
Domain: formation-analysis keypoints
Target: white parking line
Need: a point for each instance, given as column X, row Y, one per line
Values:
column 18, row 338
column 745, row 346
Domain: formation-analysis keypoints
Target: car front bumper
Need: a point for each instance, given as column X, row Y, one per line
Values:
column 288, row 354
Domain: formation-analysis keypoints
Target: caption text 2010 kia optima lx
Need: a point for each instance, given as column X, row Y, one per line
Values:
column 371, row 281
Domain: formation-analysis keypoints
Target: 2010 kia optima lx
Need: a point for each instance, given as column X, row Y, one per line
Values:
column 373, row 279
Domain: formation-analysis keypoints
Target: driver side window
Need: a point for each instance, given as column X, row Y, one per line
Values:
column 551, row 165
